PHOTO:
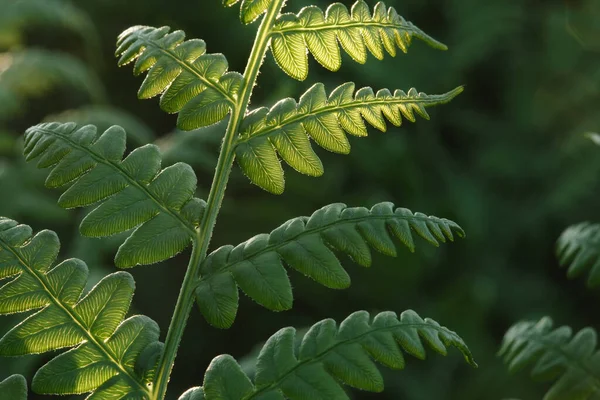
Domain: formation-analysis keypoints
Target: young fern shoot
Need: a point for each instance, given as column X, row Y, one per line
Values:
column 157, row 206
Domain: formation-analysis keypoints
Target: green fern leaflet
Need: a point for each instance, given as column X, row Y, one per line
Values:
column 578, row 249
column 286, row 127
column 357, row 31
column 134, row 192
column 555, row 354
column 328, row 357
column 13, row 388
column 304, row 243
column 192, row 83
column 110, row 356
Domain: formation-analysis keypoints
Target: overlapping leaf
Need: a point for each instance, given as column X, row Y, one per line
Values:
column 555, row 354
column 192, row 83
column 134, row 192
column 285, row 129
column 13, row 388
column 305, row 243
column 578, row 249
column 356, row 31
column 329, row 356
column 110, row 356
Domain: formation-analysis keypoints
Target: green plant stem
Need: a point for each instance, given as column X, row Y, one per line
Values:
column 215, row 199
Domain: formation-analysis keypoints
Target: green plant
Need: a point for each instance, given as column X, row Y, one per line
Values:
column 114, row 357
column 556, row 353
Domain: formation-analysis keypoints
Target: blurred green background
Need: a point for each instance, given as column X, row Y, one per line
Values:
column 507, row 160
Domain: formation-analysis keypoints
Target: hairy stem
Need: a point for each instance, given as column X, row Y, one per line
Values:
column 215, row 198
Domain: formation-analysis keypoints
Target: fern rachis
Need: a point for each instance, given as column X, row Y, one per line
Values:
column 158, row 209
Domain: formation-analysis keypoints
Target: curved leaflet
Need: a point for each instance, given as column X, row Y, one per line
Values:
column 192, row 83
column 329, row 356
column 134, row 192
column 305, row 243
column 555, row 354
column 578, row 249
column 286, row 128
column 14, row 388
column 105, row 347
column 356, row 31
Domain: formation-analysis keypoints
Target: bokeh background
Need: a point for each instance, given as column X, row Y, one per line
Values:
column 507, row 160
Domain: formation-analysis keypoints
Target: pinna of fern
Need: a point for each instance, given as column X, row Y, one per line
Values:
column 578, row 250
column 109, row 355
column 287, row 127
column 305, row 244
column 14, row 388
column 329, row 356
column 572, row 361
column 357, row 31
column 132, row 193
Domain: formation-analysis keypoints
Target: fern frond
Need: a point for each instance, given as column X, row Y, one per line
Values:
column 287, row 126
column 555, row 354
column 578, row 249
column 33, row 73
column 13, row 388
column 17, row 16
column 107, row 350
column 357, row 31
column 103, row 117
column 192, row 83
column 304, row 243
column 329, row 356
column 134, row 192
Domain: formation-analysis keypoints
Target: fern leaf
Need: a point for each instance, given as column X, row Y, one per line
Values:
column 192, row 83
column 578, row 249
column 287, row 126
column 329, row 356
column 304, row 243
column 555, row 354
column 134, row 192
column 106, row 348
column 13, row 388
column 357, row 31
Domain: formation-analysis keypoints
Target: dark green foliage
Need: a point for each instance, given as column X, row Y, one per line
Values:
column 328, row 357
column 13, row 388
column 578, row 249
column 555, row 354
column 305, row 244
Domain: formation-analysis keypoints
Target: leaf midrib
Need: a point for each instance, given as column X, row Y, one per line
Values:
column 355, row 339
column 312, row 231
column 190, row 69
column 132, row 181
column 107, row 352
column 430, row 100
column 409, row 27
